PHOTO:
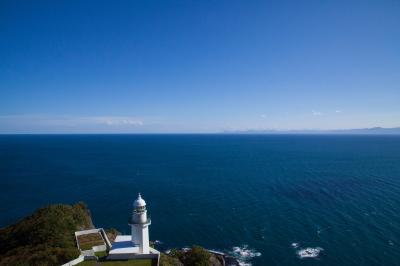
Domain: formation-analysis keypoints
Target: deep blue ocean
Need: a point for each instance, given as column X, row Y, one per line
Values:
column 263, row 198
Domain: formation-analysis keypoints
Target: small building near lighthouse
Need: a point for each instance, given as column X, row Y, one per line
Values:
column 137, row 244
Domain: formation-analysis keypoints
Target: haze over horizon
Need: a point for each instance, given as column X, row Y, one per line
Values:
column 198, row 66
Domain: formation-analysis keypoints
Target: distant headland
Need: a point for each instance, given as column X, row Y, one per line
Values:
column 356, row 131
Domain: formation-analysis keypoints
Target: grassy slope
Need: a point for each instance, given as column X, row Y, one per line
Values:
column 88, row 241
column 44, row 238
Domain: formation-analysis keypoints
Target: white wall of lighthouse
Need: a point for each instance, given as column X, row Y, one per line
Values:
column 140, row 226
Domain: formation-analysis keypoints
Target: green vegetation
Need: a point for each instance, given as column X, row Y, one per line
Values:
column 101, row 254
column 88, row 241
column 112, row 234
column 166, row 260
column 140, row 262
column 46, row 237
column 196, row 256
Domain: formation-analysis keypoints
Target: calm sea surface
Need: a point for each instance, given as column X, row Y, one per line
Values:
column 263, row 198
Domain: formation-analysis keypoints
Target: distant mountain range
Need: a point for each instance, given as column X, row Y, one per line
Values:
column 357, row 131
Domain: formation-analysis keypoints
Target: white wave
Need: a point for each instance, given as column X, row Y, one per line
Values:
column 158, row 242
column 295, row 245
column 309, row 252
column 244, row 254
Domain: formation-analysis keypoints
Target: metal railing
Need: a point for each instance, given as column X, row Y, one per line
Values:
column 148, row 221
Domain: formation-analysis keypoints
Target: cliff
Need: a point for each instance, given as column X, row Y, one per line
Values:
column 195, row 256
column 47, row 238
column 44, row 238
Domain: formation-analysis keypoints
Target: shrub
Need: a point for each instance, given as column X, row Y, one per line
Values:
column 46, row 237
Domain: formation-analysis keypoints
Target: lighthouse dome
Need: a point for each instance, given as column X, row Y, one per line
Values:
column 139, row 202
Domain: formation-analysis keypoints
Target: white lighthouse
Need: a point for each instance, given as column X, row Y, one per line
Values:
column 140, row 226
column 136, row 245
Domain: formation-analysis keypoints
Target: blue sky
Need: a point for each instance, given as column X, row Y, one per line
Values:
column 198, row 66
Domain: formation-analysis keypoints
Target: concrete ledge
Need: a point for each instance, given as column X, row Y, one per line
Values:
column 130, row 256
column 93, row 231
column 99, row 248
column 75, row 261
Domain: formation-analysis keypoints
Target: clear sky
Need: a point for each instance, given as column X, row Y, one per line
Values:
column 198, row 66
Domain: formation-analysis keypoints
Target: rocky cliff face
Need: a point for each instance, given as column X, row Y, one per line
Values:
column 192, row 256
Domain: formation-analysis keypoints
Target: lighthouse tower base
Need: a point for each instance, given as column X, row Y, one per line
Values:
column 124, row 249
column 136, row 245
column 140, row 238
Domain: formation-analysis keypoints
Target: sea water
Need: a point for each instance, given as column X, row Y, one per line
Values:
column 266, row 199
